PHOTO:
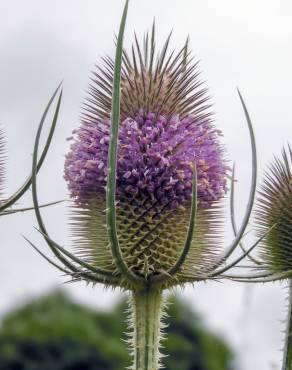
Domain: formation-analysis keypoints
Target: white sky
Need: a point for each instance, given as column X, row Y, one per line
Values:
column 243, row 43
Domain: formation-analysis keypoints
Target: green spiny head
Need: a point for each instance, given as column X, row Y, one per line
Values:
column 274, row 214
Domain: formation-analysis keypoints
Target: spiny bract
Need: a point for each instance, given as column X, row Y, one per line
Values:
column 275, row 212
column 166, row 130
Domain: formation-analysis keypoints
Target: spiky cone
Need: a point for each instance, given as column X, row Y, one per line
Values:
column 147, row 174
column 166, row 134
column 274, row 213
column 165, row 137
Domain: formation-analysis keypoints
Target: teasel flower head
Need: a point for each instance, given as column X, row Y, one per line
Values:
column 274, row 218
column 160, row 144
column 166, row 131
column 274, row 213
column 147, row 174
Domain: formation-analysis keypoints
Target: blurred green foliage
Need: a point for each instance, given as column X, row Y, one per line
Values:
column 54, row 333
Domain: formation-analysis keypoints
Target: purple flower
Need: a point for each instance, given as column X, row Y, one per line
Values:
column 166, row 130
column 156, row 158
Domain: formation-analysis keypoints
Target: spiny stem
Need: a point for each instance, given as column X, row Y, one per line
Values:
column 147, row 313
column 287, row 360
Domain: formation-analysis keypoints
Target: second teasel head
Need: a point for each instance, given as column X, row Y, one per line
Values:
column 274, row 214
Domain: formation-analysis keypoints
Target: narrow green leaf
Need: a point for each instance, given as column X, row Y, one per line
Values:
column 19, row 193
column 53, row 246
column 269, row 279
column 240, row 258
column 46, row 258
column 76, row 259
column 232, row 216
column 250, row 203
column 250, row 276
column 112, row 158
column 79, row 274
column 25, row 209
column 34, row 187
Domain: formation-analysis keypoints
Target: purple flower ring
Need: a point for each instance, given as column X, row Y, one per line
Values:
column 166, row 130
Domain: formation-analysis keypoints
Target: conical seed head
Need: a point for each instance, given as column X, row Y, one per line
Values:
column 274, row 213
column 151, row 236
column 165, row 131
column 165, row 83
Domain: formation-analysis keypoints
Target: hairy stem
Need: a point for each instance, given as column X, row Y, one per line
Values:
column 287, row 359
column 147, row 313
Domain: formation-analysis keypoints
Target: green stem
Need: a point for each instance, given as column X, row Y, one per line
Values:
column 287, row 360
column 147, row 312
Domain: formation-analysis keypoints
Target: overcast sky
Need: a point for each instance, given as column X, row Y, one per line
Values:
column 243, row 43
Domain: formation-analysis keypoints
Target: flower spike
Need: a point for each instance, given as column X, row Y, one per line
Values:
column 154, row 169
column 146, row 173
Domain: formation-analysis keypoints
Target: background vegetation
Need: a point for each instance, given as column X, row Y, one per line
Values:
column 54, row 333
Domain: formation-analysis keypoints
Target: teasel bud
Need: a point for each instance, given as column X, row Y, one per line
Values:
column 273, row 222
column 274, row 211
column 274, row 217
column 147, row 175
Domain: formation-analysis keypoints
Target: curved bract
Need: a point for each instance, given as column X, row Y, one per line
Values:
column 7, row 203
